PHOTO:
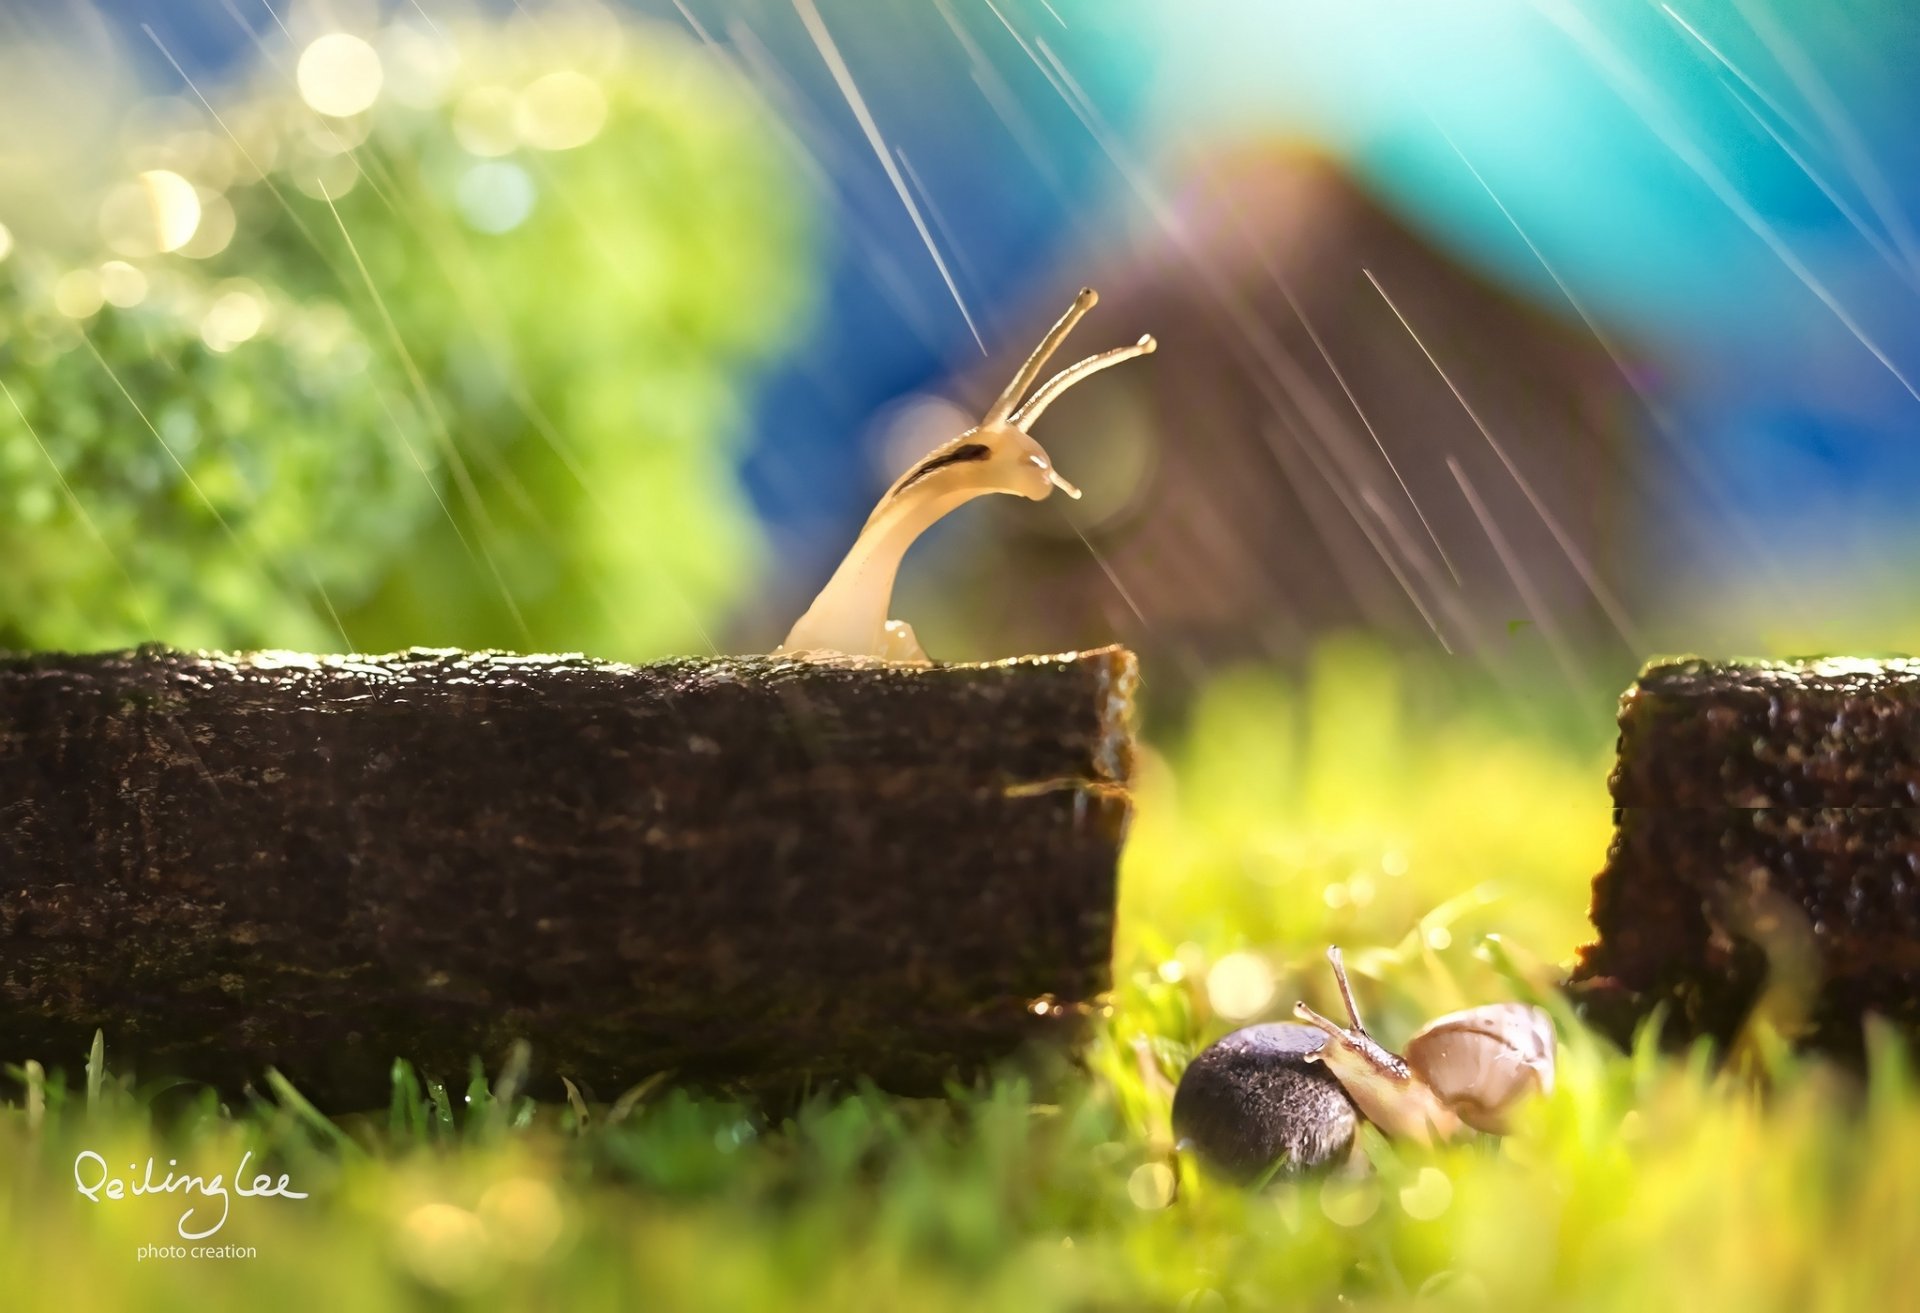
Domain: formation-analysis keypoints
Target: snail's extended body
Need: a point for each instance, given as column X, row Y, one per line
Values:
column 1470, row 1068
column 997, row 455
column 1383, row 1087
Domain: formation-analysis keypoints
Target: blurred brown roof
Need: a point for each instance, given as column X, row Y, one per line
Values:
column 1240, row 499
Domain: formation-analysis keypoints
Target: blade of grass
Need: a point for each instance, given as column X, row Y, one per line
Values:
column 304, row 1112
column 406, row 1105
column 96, row 1070
column 582, row 1117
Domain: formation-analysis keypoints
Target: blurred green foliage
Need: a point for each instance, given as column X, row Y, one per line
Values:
column 1646, row 1180
column 153, row 486
column 508, row 314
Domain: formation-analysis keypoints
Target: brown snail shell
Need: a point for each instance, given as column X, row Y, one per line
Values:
column 1484, row 1062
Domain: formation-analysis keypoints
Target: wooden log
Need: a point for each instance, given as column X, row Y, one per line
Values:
column 1767, row 837
column 753, row 871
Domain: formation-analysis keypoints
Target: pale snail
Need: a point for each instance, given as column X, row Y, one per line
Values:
column 997, row 455
column 1476, row 1066
column 1287, row 1097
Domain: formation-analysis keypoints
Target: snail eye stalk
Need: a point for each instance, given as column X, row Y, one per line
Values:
column 1066, row 378
column 1023, row 379
column 1346, row 990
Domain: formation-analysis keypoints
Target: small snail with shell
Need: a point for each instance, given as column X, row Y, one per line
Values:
column 1475, row 1066
column 997, row 455
column 1262, row 1094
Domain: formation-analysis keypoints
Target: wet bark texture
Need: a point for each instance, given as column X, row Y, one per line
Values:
column 750, row 871
column 1766, row 850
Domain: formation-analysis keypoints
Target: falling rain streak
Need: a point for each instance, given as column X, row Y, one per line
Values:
column 1319, row 425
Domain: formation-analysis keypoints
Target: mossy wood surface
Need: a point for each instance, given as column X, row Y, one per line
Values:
column 743, row 870
column 1767, row 839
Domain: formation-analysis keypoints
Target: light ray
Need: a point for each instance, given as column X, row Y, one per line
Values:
column 843, row 78
column 1360, row 522
column 1610, row 604
column 81, row 513
column 463, row 477
column 251, row 553
column 1522, row 582
column 1826, row 107
column 1634, row 90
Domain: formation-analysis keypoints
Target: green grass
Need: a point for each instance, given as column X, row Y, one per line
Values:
column 1356, row 809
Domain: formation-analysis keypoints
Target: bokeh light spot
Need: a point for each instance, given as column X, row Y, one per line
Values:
column 6, row 242
column 216, row 228
column 496, row 197
column 418, row 64
column 560, row 111
column 78, row 294
column 237, row 314
column 1151, row 1186
column 483, row 121
column 329, row 178
column 122, row 284
column 445, row 1246
column 1349, row 1203
column 1428, row 1196
column 339, row 75
column 175, row 206
column 159, row 211
column 523, row 1216
column 1239, row 985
